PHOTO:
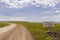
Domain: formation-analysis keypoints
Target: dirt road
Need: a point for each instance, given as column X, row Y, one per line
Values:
column 19, row 32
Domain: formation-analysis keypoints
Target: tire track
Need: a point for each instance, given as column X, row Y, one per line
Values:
column 17, row 33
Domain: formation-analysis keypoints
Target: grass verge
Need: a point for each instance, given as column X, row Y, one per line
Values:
column 3, row 24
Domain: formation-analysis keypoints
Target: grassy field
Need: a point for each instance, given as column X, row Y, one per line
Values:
column 37, row 29
column 2, row 24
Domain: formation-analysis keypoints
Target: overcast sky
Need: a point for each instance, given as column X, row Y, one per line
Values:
column 30, row 10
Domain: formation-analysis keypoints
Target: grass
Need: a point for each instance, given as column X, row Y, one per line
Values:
column 38, row 31
column 2, row 24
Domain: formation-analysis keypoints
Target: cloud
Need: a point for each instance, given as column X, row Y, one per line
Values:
column 10, row 18
column 57, row 11
column 34, row 19
column 51, row 18
column 23, row 3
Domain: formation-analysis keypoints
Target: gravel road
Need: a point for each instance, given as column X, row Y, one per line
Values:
column 19, row 32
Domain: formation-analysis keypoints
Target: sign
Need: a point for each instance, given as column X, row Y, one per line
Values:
column 48, row 24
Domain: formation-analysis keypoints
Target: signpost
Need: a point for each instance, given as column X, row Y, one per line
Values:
column 48, row 24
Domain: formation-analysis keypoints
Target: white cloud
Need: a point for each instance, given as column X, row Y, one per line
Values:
column 13, row 18
column 9, row 18
column 39, row 19
column 51, row 18
column 22, row 3
column 57, row 11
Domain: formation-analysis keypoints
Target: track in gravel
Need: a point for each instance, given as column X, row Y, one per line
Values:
column 17, row 33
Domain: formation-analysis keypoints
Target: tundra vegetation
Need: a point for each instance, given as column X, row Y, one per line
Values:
column 3, row 24
column 38, row 31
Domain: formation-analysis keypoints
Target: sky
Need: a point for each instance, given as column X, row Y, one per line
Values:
column 30, row 10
